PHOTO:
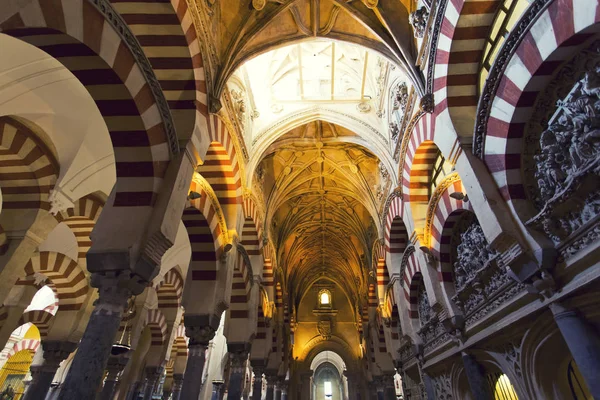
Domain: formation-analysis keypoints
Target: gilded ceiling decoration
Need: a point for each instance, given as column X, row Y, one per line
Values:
column 322, row 198
column 243, row 29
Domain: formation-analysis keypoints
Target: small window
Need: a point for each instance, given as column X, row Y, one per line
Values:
column 325, row 298
column 328, row 390
column 441, row 168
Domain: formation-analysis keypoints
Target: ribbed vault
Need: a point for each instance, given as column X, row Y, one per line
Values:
column 321, row 202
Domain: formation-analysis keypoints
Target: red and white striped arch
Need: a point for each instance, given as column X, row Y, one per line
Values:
column 412, row 280
column 416, row 159
column 67, row 277
column 40, row 318
column 169, row 290
column 221, row 169
column 28, row 168
column 158, row 327
column 240, row 290
column 383, row 277
column 556, row 36
column 252, row 229
column 392, row 236
column 26, row 344
column 78, row 36
column 445, row 212
column 465, row 27
column 81, row 218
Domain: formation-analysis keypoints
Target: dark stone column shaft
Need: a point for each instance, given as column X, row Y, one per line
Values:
column 270, row 391
column 192, row 379
column 238, row 355
column 583, row 342
column 85, row 374
column 277, row 394
column 476, row 378
column 54, row 352
column 177, row 384
column 153, row 375
column 257, row 385
column 429, row 388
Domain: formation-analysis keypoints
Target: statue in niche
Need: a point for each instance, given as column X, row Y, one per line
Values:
column 418, row 20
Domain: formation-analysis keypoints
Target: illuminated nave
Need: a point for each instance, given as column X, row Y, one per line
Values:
column 299, row 199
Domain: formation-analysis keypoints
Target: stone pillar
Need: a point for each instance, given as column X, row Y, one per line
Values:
column 278, row 391
column 153, row 374
column 115, row 366
column 177, row 384
column 480, row 389
column 258, row 370
column 270, row 387
column 583, row 342
column 87, row 369
column 54, row 352
column 238, row 355
column 389, row 388
column 200, row 329
column 217, row 388
column 429, row 388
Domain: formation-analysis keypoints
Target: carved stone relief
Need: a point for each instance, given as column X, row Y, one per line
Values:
column 566, row 165
column 418, row 20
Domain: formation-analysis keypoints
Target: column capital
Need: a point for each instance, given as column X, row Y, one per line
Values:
column 200, row 329
column 238, row 355
column 153, row 372
column 56, row 351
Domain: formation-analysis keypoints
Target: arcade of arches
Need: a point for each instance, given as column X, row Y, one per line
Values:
column 299, row 199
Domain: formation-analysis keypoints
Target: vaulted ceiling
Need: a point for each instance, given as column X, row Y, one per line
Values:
column 245, row 28
column 322, row 201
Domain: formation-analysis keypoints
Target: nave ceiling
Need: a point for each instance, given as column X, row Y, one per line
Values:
column 245, row 29
column 323, row 196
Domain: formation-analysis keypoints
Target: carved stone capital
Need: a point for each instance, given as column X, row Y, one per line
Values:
column 418, row 20
column 200, row 329
column 427, row 104
column 238, row 355
column 55, row 352
column 59, row 201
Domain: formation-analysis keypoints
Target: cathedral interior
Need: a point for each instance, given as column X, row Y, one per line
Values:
column 299, row 199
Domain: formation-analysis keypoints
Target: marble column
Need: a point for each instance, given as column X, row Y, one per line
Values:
column 583, row 342
column 153, row 374
column 238, row 355
column 86, row 371
column 114, row 367
column 54, row 352
column 200, row 329
column 257, row 384
column 480, row 389
column 177, row 384
column 270, row 387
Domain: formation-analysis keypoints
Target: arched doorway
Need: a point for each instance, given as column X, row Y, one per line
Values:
column 328, row 380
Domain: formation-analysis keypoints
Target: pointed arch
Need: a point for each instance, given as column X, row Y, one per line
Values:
column 80, row 37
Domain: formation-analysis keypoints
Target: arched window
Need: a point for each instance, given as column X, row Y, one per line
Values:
column 507, row 16
column 325, row 298
column 501, row 387
column 441, row 168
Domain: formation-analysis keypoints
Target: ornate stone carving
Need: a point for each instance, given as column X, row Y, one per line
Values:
column 364, row 107
column 400, row 97
column 259, row 4
column 324, row 328
column 427, row 103
column 418, row 20
column 567, row 165
column 239, row 104
column 199, row 334
column 443, row 387
column 473, row 253
column 394, row 131
column 425, row 310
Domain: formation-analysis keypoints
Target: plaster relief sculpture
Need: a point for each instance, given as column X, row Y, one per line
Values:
column 259, row 4
column 418, row 20
column 394, row 131
column 400, row 97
